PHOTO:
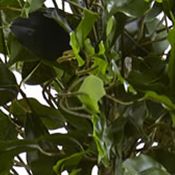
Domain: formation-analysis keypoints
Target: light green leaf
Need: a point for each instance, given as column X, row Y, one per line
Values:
column 89, row 48
column 78, row 38
column 159, row 1
column 92, row 90
column 85, row 26
column 101, row 66
column 101, row 48
column 110, row 24
column 76, row 48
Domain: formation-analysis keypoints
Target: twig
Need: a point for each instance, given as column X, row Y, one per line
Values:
column 134, row 42
column 24, row 165
column 119, row 101
column 26, row 99
column 14, row 171
column 11, row 8
column 61, row 104
column 154, row 41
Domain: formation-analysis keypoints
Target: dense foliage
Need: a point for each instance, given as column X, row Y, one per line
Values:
column 107, row 77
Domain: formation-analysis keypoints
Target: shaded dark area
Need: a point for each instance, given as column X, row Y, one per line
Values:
column 41, row 35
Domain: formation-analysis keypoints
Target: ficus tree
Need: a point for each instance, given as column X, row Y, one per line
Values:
column 107, row 73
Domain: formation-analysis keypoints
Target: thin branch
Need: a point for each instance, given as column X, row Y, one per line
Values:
column 26, row 99
column 75, row 108
column 119, row 101
column 56, row 6
column 14, row 171
column 11, row 8
column 61, row 104
column 154, row 41
column 47, row 96
column 27, row 168
column 75, row 4
column 134, row 42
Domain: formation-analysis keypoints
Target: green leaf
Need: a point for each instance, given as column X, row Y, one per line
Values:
column 143, row 165
column 129, row 7
column 7, row 128
column 51, row 117
column 100, row 65
column 160, row 99
column 102, row 139
column 111, row 31
column 173, row 118
column 110, row 25
column 159, row 1
column 6, row 161
column 9, row 149
column 162, row 45
column 128, row 87
column 85, row 26
column 18, row 52
column 78, row 37
column 8, row 85
column 168, row 8
column 165, row 157
column 31, row 6
column 89, row 48
column 68, row 163
column 75, row 172
column 101, row 48
column 153, row 12
column 7, row 132
column 35, row 4
column 76, row 48
column 34, row 73
column 92, row 90
column 171, row 65
column 34, row 128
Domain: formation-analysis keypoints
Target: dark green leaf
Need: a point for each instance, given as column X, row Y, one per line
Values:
column 165, row 157
column 8, row 85
column 160, row 99
column 34, row 73
column 34, row 128
column 19, row 53
column 51, row 117
column 143, row 165
column 130, row 7
column 171, row 65
column 102, row 139
column 7, row 128
column 68, row 163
